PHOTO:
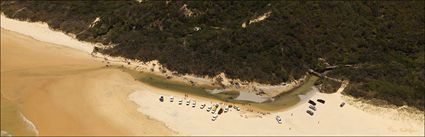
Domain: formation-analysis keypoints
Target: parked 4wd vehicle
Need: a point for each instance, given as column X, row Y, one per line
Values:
column 187, row 102
column 278, row 119
column 161, row 98
column 342, row 104
column 321, row 101
column 226, row 109
column 171, row 99
column 310, row 112
column 312, row 107
column 214, row 117
column 194, row 104
column 312, row 102
column 202, row 106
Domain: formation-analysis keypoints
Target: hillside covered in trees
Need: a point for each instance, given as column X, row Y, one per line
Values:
column 381, row 41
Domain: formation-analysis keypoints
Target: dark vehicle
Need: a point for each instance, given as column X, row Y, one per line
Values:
column 321, row 101
column 161, row 98
column 220, row 111
column 310, row 112
column 342, row 104
column 312, row 102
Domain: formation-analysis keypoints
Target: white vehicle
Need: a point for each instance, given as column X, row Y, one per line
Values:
column 187, row 102
column 215, row 107
column 214, row 117
column 278, row 119
column 202, row 106
column 180, row 102
column 226, row 109
column 209, row 109
column 194, row 104
column 238, row 109
column 171, row 99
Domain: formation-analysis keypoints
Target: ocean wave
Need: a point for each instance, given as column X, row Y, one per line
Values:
column 29, row 124
column 5, row 134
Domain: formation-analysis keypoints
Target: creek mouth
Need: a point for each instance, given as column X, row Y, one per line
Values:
column 282, row 101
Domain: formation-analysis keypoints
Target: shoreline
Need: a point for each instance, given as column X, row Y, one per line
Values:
column 66, row 92
column 329, row 119
column 24, row 125
column 42, row 32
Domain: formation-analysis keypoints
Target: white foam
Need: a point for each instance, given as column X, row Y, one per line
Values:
column 4, row 133
column 29, row 124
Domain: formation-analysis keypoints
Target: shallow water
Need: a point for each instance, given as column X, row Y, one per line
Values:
column 282, row 101
column 248, row 96
column 289, row 99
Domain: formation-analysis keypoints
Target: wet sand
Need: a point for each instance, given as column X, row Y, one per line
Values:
column 13, row 121
column 66, row 92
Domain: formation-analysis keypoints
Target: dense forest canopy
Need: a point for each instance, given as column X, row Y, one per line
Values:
column 382, row 41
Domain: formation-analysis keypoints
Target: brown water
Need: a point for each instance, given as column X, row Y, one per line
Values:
column 282, row 101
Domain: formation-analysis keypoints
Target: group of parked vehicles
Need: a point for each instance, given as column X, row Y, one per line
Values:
column 212, row 109
column 313, row 106
column 216, row 107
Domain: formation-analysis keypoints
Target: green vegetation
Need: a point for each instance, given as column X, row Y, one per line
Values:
column 382, row 40
column 328, row 86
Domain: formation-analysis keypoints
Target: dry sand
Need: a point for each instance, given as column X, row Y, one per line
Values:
column 329, row 119
column 66, row 92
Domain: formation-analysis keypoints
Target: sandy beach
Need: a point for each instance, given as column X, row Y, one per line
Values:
column 66, row 92
column 329, row 119
column 63, row 90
